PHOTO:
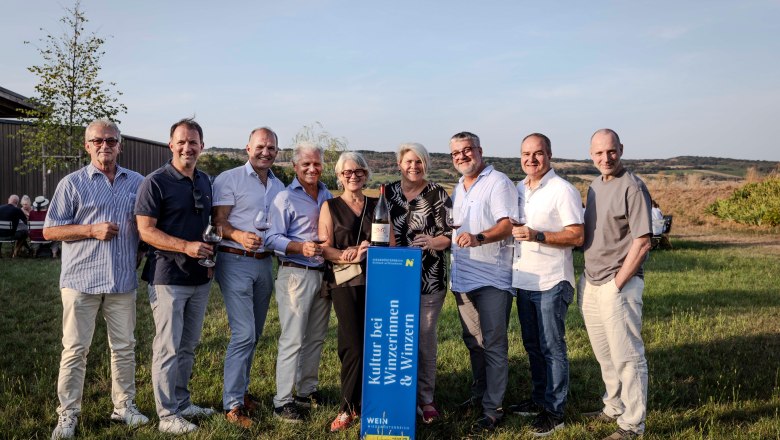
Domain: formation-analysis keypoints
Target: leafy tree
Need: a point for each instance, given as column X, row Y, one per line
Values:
column 754, row 204
column 68, row 96
column 332, row 145
column 214, row 164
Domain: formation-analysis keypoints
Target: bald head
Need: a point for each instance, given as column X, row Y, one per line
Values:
column 606, row 151
column 13, row 200
column 607, row 132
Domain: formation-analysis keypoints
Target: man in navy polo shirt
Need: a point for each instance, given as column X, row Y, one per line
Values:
column 172, row 209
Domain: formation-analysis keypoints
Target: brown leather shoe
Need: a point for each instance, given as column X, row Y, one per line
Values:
column 238, row 416
column 251, row 403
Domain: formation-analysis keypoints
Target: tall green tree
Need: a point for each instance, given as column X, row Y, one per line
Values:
column 332, row 145
column 68, row 96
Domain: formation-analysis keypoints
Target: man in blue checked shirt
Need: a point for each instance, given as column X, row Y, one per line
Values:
column 303, row 313
column 91, row 212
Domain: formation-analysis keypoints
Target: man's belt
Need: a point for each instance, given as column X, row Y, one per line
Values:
column 301, row 266
column 231, row 250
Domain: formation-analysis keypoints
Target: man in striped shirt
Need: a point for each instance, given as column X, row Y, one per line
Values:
column 91, row 212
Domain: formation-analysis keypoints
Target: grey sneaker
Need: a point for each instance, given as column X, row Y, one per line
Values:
column 598, row 416
column 130, row 415
column 176, row 425
column 66, row 426
column 525, row 408
column 194, row 411
column 623, row 434
column 289, row 413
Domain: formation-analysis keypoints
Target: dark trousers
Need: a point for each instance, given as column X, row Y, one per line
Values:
column 350, row 306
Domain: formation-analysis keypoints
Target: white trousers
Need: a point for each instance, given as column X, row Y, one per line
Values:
column 614, row 322
column 79, row 311
column 303, row 318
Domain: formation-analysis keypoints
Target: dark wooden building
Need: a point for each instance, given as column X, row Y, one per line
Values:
column 141, row 155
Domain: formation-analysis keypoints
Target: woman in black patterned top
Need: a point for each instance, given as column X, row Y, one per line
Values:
column 418, row 217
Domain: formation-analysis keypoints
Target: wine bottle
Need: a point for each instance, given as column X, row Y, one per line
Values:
column 380, row 226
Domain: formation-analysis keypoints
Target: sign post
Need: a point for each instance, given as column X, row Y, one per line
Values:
column 389, row 405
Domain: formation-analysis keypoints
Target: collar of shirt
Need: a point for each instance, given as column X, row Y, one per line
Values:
column 486, row 171
column 92, row 171
column 170, row 169
column 296, row 185
column 251, row 171
column 546, row 178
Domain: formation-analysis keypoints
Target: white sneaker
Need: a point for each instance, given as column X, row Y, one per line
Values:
column 176, row 425
column 130, row 415
column 194, row 411
column 66, row 426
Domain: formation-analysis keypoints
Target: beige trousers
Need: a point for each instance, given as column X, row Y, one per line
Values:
column 79, row 311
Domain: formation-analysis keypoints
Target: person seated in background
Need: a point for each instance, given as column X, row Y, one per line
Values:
column 26, row 205
column 11, row 213
column 40, row 207
column 658, row 219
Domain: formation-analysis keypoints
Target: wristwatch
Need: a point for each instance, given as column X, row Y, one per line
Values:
column 480, row 238
column 540, row 237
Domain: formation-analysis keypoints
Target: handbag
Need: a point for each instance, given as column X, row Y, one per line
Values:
column 344, row 272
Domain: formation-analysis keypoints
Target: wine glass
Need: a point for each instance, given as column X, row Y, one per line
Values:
column 212, row 235
column 416, row 223
column 262, row 224
column 317, row 259
column 454, row 218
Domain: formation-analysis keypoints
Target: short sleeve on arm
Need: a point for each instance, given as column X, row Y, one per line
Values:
column 570, row 207
column 62, row 209
column 638, row 201
column 503, row 200
column 224, row 190
column 149, row 198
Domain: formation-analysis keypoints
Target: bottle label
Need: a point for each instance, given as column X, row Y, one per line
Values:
column 380, row 233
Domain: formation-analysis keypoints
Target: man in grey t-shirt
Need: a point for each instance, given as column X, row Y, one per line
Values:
column 617, row 241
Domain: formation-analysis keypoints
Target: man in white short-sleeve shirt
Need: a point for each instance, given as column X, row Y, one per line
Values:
column 481, row 279
column 543, row 273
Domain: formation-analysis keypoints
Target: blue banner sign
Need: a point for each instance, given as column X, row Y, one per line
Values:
column 389, row 403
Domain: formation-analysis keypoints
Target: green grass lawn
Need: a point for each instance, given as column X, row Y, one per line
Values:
column 711, row 329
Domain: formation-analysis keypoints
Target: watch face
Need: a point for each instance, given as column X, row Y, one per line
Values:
column 540, row 236
column 480, row 238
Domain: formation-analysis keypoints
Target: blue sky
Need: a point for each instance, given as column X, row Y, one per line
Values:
column 673, row 78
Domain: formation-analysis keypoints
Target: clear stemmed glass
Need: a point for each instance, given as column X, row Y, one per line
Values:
column 454, row 218
column 317, row 259
column 212, row 235
column 262, row 224
column 416, row 223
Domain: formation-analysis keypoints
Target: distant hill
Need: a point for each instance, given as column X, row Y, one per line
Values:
column 384, row 166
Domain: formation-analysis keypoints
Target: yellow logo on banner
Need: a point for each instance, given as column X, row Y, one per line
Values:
column 410, row 263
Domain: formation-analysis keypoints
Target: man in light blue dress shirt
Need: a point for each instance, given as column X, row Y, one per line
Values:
column 481, row 272
column 91, row 212
column 303, row 313
column 244, row 270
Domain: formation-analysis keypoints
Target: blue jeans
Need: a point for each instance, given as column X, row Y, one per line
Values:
column 246, row 285
column 542, row 321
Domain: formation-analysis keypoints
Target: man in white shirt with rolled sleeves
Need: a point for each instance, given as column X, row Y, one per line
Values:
column 481, row 273
column 543, row 273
